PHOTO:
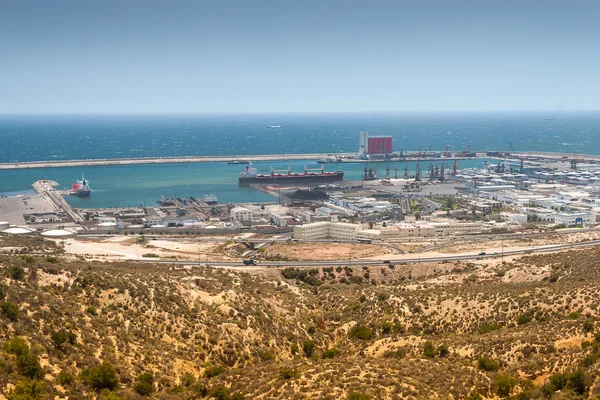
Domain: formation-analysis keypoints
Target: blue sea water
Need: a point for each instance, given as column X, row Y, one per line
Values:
column 33, row 138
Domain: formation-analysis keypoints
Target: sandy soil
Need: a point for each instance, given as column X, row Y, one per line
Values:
column 328, row 251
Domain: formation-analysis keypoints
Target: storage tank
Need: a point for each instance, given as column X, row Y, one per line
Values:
column 58, row 233
column 4, row 225
column 19, row 231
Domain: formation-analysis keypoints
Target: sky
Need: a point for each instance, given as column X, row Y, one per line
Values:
column 238, row 56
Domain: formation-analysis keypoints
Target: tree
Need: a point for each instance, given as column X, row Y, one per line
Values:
column 59, row 338
column 487, row 364
column 10, row 310
column 144, row 384
column 308, row 347
column 16, row 272
column 101, row 377
column 429, row 350
column 221, row 393
column 360, row 332
column 27, row 390
column 17, row 346
column 29, row 366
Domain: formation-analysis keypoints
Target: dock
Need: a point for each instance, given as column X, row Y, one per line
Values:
column 45, row 189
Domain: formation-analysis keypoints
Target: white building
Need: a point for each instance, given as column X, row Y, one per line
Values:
column 327, row 230
column 573, row 219
column 363, row 144
column 240, row 214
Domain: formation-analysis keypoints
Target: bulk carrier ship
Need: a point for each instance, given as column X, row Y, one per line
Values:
column 250, row 176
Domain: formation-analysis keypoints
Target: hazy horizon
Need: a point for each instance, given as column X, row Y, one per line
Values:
column 197, row 57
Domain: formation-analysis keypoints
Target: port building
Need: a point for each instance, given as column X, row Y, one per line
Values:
column 375, row 145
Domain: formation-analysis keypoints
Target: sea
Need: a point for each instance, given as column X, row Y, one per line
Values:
column 73, row 137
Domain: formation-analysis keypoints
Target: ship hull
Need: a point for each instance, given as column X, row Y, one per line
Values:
column 82, row 193
column 290, row 179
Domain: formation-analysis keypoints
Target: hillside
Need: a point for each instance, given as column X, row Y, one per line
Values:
column 70, row 328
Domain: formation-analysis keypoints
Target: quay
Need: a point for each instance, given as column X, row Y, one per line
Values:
column 46, row 190
column 343, row 157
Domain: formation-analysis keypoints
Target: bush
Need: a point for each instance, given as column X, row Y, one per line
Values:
column 101, row 377
column 17, row 346
column 308, row 347
column 2, row 292
column 221, row 393
column 357, row 396
column 91, row 310
column 578, row 382
column 331, row 353
column 64, row 378
column 311, row 330
column 487, row 364
column 213, row 370
column 144, row 384
column 558, row 381
column 360, row 332
column 237, row 396
column 487, row 328
column 10, row 310
column 29, row 366
column 59, row 338
column 429, row 350
column 525, row 318
column 27, row 390
column 504, row 384
column 386, row 327
column 16, row 272
column 287, row 373
column 443, row 350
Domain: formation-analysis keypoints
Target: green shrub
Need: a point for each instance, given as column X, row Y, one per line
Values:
column 10, row 310
column 578, row 382
column 487, row 364
column 331, row 353
column 101, row 377
column 357, row 396
column 220, row 393
column 213, row 370
column 59, row 338
column 308, row 346
column 237, row 396
column 429, row 350
column 525, row 318
column 360, row 332
column 558, row 381
column 386, row 327
column 64, row 378
column 2, row 292
column 266, row 355
column 16, row 272
column 504, row 384
column 144, row 384
column 91, row 310
column 311, row 330
column 29, row 366
column 287, row 373
column 17, row 346
column 487, row 328
column 443, row 350
column 27, row 390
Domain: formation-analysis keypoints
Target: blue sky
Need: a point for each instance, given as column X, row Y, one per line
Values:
column 298, row 56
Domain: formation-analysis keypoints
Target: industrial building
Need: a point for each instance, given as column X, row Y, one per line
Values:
column 373, row 145
column 327, row 230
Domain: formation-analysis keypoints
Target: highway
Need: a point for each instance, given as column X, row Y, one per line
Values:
column 412, row 260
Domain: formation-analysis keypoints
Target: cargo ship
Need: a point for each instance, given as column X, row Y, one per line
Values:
column 250, row 176
column 81, row 188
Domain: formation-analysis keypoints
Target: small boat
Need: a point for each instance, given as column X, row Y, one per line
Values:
column 274, row 126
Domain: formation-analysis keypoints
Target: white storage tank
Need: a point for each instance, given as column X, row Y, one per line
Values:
column 58, row 233
column 19, row 231
column 4, row 225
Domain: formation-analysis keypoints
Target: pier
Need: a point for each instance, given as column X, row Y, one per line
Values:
column 344, row 157
column 46, row 190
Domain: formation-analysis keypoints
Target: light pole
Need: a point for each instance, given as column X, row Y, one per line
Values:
column 502, row 252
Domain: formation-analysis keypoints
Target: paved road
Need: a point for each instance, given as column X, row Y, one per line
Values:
column 413, row 260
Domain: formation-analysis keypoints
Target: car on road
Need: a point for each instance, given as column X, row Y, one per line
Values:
column 386, row 262
column 483, row 253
